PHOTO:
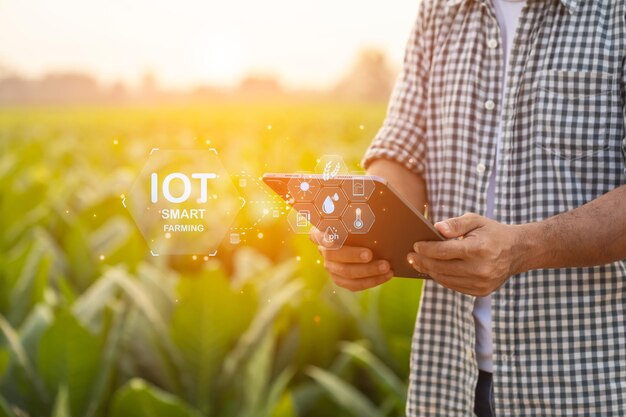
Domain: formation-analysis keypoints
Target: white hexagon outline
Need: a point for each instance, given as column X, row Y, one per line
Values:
column 363, row 203
column 338, row 216
column 243, row 201
column 343, row 168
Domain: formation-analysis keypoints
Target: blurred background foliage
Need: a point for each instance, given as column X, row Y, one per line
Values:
column 92, row 325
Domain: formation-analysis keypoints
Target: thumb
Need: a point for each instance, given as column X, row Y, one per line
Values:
column 459, row 226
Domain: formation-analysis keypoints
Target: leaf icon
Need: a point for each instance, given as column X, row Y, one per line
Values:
column 330, row 171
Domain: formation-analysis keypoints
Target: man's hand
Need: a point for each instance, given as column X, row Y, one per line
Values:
column 354, row 268
column 351, row 267
column 478, row 259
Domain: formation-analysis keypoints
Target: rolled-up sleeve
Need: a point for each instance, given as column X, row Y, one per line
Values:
column 402, row 135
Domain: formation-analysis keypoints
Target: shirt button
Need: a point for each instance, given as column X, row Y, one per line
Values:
column 480, row 168
column 489, row 104
column 492, row 43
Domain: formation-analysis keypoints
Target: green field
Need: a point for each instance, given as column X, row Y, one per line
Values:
column 92, row 325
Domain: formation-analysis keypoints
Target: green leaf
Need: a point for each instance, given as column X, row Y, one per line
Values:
column 102, row 384
column 344, row 394
column 27, row 221
column 62, row 404
column 5, row 408
column 138, row 399
column 136, row 292
column 65, row 290
column 320, row 330
column 29, row 288
column 307, row 395
column 248, row 263
column 397, row 308
column 285, row 407
column 4, row 361
column 398, row 304
column 69, row 355
column 79, row 257
column 33, row 327
column 279, row 402
column 144, row 356
column 110, row 236
column 160, row 285
column 17, row 348
column 259, row 327
column 257, row 376
column 209, row 318
column 378, row 369
column 89, row 305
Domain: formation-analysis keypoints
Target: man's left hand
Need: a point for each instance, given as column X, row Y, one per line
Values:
column 479, row 257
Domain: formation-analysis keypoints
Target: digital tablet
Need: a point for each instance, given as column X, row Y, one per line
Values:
column 356, row 210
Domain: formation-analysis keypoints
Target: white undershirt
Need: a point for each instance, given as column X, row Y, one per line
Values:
column 507, row 14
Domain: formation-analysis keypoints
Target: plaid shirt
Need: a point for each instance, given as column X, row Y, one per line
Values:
column 559, row 334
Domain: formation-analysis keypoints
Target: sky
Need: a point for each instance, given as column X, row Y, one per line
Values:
column 306, row 44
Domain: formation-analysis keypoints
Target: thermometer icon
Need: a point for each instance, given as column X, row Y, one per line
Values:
column 358, row 223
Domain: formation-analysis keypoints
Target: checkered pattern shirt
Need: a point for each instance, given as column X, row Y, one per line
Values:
column 559, row 334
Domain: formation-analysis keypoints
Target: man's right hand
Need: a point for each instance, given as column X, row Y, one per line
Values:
column 354, row 268
column 351, row 267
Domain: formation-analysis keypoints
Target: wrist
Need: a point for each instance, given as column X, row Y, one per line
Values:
column 527, row 249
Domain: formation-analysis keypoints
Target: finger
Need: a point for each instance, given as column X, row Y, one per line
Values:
column 362, row 284
column 452, row 267
column 453, row 283
column 459, row 226
column 457, row 283
column 357, row 271
column 347, row 254
column 317, row 237
column 450, row 249
column 462, row 285
column 453, row 274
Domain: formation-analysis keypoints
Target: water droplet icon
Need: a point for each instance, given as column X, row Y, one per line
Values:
column 336, row 197
column 328, row 207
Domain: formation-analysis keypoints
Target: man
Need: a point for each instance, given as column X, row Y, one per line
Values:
column 516, row 113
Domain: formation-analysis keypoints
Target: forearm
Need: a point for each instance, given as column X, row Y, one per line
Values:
column 593, row 234
column 408, row 184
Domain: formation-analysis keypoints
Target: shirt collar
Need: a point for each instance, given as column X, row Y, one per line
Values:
column 571, row 5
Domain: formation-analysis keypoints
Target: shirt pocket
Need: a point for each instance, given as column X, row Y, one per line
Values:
column 573, row 112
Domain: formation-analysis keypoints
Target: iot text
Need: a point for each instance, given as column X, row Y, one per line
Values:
column 186, row 182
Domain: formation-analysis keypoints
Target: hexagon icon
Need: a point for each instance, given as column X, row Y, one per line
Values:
column 331, row 168
column 358, row 188
column 335, row 233
column 303, row 187
column 183, row 202
column 331, row 202
column 302, row 216
column 358, row 218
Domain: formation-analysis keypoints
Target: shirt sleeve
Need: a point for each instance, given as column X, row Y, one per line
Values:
column 402, row 135
column 624, row 112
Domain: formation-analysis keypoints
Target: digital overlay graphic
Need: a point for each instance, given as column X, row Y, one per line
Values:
column 332, row 200
column 184, row 202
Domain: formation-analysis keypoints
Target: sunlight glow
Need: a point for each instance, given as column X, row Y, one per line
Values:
column 305, row 44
